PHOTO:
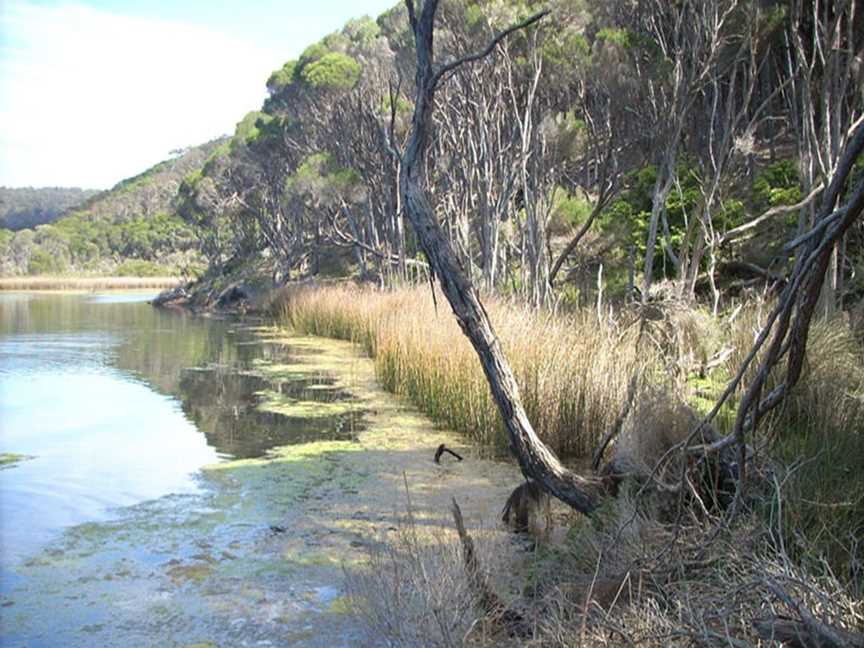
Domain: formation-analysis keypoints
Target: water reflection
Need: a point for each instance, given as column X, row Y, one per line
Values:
column 120, row 402
column 223, row 402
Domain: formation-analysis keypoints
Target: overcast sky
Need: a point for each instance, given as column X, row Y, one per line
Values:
column 94, row 91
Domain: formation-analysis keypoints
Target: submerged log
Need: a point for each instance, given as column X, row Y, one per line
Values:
column 176, row 296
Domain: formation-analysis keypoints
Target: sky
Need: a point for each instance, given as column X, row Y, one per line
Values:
column 94, row 91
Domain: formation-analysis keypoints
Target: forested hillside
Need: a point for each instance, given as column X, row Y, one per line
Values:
column 25, row 207
column 681, row 143
column 131, row 229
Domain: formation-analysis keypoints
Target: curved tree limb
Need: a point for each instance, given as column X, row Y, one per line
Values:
column 476, row 56
column 734, row 233
column 789, row 323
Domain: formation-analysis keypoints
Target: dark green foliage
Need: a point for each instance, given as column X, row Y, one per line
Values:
column 43, row 262
column 777, row 184
column 362, row 31
column 5, row 239
column 571, row 210
column 249, row 128
column 282, row 77
column 135, row 220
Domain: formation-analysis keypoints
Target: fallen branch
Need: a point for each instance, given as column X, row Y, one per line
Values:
column 774, row 211
column 441, row 450
column 493, row 607
column 804, row 632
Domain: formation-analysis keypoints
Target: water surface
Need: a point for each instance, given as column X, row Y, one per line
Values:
column 117, row 403
column 116, row 533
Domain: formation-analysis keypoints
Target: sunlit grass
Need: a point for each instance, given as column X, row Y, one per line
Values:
column 572, row 371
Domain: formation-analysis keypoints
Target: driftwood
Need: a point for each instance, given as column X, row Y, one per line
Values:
column 489, row 602
column 536, row 460
column 172, row 297
column 442, row 449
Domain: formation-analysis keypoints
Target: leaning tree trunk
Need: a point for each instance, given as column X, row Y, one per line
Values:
column 536, row 460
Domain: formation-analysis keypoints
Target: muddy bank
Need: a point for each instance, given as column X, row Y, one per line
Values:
column 257, row 557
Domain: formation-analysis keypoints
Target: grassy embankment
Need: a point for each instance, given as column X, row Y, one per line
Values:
column 573, row 372
column 72, row 283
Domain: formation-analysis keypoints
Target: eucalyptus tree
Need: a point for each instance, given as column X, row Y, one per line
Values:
column 825, row 67
column 535, row 459
column 728, row 111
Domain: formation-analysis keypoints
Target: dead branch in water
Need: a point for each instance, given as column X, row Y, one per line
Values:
column 442, row 449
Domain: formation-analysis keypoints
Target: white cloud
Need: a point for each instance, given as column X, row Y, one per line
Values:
column 88, row 98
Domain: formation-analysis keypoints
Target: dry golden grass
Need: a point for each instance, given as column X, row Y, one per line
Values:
column 86, row 283
column 620, row 579
column 572, row 371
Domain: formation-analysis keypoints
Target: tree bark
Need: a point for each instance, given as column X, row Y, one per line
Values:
column 536, row 460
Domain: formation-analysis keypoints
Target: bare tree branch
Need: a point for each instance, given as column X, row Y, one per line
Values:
column 476, row 56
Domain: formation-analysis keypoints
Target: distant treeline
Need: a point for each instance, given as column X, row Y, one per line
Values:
column 25, row 207
column 132, row 229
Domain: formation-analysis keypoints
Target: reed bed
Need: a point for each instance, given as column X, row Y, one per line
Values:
column 572, row 370
column 86, row 283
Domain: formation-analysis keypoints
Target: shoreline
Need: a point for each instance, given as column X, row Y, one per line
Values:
column 85, row 284
column 261, row 553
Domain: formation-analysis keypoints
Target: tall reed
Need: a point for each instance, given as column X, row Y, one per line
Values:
column 572, row 371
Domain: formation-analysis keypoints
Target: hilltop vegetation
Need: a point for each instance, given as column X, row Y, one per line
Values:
column 618, row 146
column 131, row 229
column 657, row 143
column 27, row 207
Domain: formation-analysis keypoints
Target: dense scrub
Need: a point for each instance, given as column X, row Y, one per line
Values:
column 803, row 525
column 605, row 149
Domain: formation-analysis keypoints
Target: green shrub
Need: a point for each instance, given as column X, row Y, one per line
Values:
column 777, row 184
column 43, row 262
column 141, row 268
column 333, row 70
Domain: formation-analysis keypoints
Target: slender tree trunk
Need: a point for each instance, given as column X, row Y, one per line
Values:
column 535, row 459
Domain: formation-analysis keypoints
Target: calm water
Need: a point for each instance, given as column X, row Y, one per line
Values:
column 118, row 403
